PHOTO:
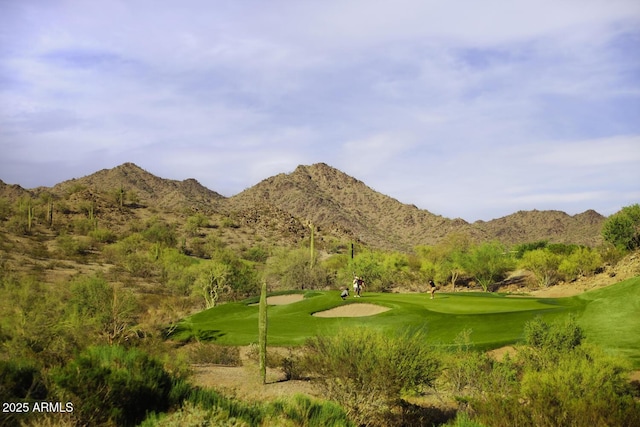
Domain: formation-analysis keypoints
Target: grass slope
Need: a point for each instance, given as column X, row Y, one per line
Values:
column 609, row 317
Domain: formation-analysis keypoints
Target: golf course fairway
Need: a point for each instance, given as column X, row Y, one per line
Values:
column 610, row 317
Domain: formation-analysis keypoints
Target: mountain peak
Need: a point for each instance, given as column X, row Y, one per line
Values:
column 148, row 188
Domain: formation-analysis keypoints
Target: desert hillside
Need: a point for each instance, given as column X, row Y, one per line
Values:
column 340, row 206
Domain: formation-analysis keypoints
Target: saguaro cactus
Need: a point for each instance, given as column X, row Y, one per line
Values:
column 50, row 212
column 312, row 252
column 121, row 194
column 262, row 332
column 30, row 212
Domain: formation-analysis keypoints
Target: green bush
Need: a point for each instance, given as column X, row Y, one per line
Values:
column 19, row 381
column 555, row 380
column 543, row 264
column 103, row 235
column 301, row 410
column 581, row 262
column 367, row 372
column 160, row 232
column 114, row 385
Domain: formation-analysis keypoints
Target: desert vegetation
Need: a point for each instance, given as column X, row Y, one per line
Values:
column 109, row 301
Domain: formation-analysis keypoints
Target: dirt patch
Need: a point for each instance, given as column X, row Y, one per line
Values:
column 499, row 353
column 245, row 382
column 353, row 310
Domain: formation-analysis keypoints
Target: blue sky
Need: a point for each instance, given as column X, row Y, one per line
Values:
column 464, row 108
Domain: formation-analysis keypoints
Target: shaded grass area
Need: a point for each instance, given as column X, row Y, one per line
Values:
column 609, row 316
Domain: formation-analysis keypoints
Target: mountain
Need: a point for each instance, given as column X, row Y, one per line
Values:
column 336, row 201
column 148, row 189
column 339, row 205
column 555, row 226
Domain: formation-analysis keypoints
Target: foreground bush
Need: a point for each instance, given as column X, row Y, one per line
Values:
column 368, row 372
column 114, row 385
column 555, row 380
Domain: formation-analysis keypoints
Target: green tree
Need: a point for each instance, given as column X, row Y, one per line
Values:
column 487, row 262
column 622, row 229
column 543, row 264
column 291, row 269
column 369, row 265
column 212, row 280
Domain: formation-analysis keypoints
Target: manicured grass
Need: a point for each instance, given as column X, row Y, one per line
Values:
column 610, row 317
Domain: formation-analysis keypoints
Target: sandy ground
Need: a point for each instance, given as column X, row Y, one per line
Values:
column 245, row 383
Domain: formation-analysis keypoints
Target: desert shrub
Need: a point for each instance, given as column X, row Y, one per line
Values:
column 20, row 380
column 293, row 366
column 113, row 385
column 580, row 388
column 83, row 226
column 367, row 372
column 555, row 380
column 228, row 409
column 71, row 246
column 195, row 222
column 610, row 254
column 463, row 367
column 211, row 353
column 33, row 322
column 256, row 253
column 546, row 341
column 543, row 263
column 21, row 383
column 301, row 410
column 5, row 209
column 102, row 309
column 581, row 262
column 194, row 415
column 160, row 232
column 103, row 235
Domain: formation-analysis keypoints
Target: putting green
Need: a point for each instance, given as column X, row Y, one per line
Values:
column 609, row 317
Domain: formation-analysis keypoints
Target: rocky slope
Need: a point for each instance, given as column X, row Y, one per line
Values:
column 337, row 204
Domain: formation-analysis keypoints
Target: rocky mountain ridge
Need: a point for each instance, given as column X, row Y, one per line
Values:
column 338, row 204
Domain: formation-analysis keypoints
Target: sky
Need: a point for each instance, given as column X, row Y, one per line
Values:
column 469, row 109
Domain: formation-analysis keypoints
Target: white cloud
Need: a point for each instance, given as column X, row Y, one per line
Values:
column 471, row 109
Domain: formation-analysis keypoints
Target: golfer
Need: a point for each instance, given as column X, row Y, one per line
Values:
column 360, row 286
column 433, row 288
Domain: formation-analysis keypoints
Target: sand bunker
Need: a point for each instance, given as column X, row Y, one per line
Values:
column 283, row 299
column 353, row 310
